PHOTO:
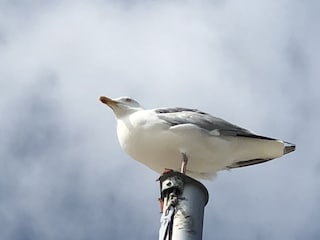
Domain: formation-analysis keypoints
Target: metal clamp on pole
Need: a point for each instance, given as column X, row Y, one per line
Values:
column 184, row 199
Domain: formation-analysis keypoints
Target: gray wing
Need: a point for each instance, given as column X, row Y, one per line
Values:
column 178, row 116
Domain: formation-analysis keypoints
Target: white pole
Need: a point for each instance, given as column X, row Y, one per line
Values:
column 183, row 200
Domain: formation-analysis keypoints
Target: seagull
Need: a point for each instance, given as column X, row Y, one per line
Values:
column 188, row 140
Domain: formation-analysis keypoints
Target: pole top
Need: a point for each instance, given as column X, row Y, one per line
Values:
column 174, row 179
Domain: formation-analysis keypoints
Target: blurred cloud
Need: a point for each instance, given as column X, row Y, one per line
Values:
column 63, row 174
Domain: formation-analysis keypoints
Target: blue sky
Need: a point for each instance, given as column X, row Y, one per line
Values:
column 63, row 174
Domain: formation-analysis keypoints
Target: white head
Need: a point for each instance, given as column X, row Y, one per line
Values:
column 121, row 106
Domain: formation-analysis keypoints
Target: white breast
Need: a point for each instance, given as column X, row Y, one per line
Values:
column 160, row 146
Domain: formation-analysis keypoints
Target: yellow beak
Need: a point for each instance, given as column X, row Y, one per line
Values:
column 108, row 101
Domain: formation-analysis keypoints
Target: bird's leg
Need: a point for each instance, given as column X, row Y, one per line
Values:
column 184, row 163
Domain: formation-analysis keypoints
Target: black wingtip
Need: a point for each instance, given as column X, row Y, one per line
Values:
column 289, row 148
column 247, row 163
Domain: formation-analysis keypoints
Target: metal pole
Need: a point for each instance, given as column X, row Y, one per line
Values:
column 183, row 200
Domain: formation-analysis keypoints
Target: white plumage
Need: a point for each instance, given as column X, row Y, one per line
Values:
column 159, row 138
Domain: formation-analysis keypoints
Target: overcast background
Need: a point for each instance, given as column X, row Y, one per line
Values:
column 63, row 174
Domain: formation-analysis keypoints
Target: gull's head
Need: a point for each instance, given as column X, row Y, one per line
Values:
column 121, row 106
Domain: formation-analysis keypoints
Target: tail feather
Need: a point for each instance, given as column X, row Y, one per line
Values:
column 289, row 147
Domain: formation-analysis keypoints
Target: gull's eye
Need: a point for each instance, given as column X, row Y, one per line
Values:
column 128, row 99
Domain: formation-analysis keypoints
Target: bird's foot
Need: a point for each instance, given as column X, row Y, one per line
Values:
column 167, row 170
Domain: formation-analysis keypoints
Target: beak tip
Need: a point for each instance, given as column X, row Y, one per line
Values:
column 103, row 99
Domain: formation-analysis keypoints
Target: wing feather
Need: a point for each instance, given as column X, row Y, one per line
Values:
column 205, row 121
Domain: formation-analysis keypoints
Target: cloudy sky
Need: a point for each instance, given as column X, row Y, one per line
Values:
column 62, row 172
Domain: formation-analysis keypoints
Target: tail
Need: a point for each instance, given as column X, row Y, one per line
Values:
column 288, row 148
